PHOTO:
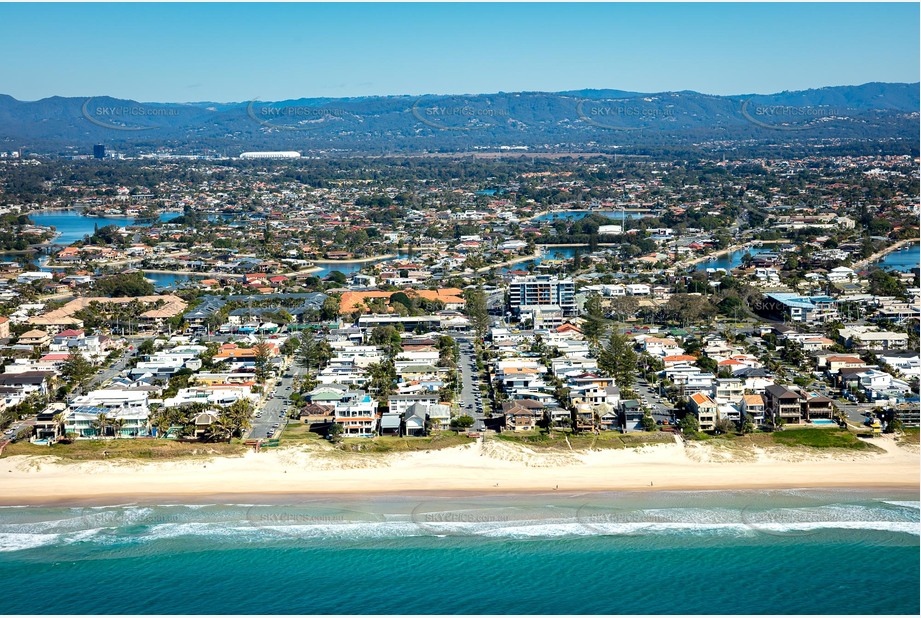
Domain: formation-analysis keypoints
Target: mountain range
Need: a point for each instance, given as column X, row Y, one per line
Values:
column 884, row 114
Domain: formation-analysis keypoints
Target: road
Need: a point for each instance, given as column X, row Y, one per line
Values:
column 467, row 398
column 117, row 367
column 658, row 406
column 276, row 404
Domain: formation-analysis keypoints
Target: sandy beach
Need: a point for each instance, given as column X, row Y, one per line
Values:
column 491, row 466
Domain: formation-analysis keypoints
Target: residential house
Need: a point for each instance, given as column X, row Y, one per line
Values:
column 728, row 390
column 753, row 406
column 521, row 415
column 816, row 407
column 705, row 409
column 357, row 413
column 798, row 308
column 126, row 413
column 783, row 403
column 631, row 415
column 400, row 404
column 869, row 338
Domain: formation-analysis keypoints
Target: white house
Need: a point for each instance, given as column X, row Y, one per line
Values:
column 127, row 412
column 357, row 413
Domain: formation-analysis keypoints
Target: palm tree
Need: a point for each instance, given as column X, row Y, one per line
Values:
column 58, row 421
column 117, row 425
column 101, row 422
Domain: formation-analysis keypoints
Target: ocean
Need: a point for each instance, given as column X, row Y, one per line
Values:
column 713, row 552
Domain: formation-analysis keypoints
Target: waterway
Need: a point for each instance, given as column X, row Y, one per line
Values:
column 71, row 225
column 903, row 260
column 550, row 253
column 575, row 215
column 732, row 260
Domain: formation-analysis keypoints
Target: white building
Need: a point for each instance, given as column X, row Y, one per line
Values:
column 357, row 413
column 542, row 290
column 126, row 412
column 289, row 154
column 30, row 277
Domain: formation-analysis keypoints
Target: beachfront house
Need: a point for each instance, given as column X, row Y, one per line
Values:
column 357, row 413
column 108, row 413
column 705, row 409
column 753, row 406
column 782, row 403
column 631, row 415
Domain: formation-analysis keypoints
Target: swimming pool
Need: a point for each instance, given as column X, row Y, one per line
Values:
column 824, row 421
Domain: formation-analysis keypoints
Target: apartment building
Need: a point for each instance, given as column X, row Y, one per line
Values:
column 542, row 290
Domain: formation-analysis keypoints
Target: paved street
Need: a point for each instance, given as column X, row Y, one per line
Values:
column 659, row 406
column 276, row 404
column 467, row 398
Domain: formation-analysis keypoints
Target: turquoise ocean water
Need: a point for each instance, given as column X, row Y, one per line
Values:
column 788, row 552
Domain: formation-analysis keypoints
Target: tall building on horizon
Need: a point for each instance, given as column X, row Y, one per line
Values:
column 542, row 290
column 99, row 151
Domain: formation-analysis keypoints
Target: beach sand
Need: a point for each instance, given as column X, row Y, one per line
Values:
column 490, row 466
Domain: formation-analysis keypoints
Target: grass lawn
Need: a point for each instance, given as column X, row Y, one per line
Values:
column 586, row 441
column 298, row 432
column 139, row 449
column 910, row 436
column 821, row 438
column 393, row 444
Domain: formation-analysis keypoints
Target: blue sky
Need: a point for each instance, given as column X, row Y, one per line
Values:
column 238, row 52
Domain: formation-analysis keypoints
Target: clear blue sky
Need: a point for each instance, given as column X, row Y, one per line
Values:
column 237, row 52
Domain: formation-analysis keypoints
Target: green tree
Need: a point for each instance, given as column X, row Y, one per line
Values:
column 462, row 422
column 593, row 326
column 726, row 426
column 337, row 277
column 146, row 347
column 76, row 368
column 477, row 310
column 624, row 306
column 312, row 353
column 748, row 425
column 619, row 360
column 383, row 378
column 263, row 355
column 386, row 337
column 649, row 423
column 126, row 284
column 689, row 425
column 334, row 433
column 330, row 308
column 100, row 423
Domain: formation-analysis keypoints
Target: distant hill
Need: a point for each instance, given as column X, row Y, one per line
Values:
column 579, row 120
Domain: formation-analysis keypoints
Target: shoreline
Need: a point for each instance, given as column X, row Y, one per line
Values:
column 523, row 258
column 190, row 273
column 287, row 497
column 879, row 255
column 375, row 258
column 751, row 244
column 644, row 213
column 490, row 468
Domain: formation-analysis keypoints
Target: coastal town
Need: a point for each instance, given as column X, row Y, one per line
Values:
column 418, row 304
